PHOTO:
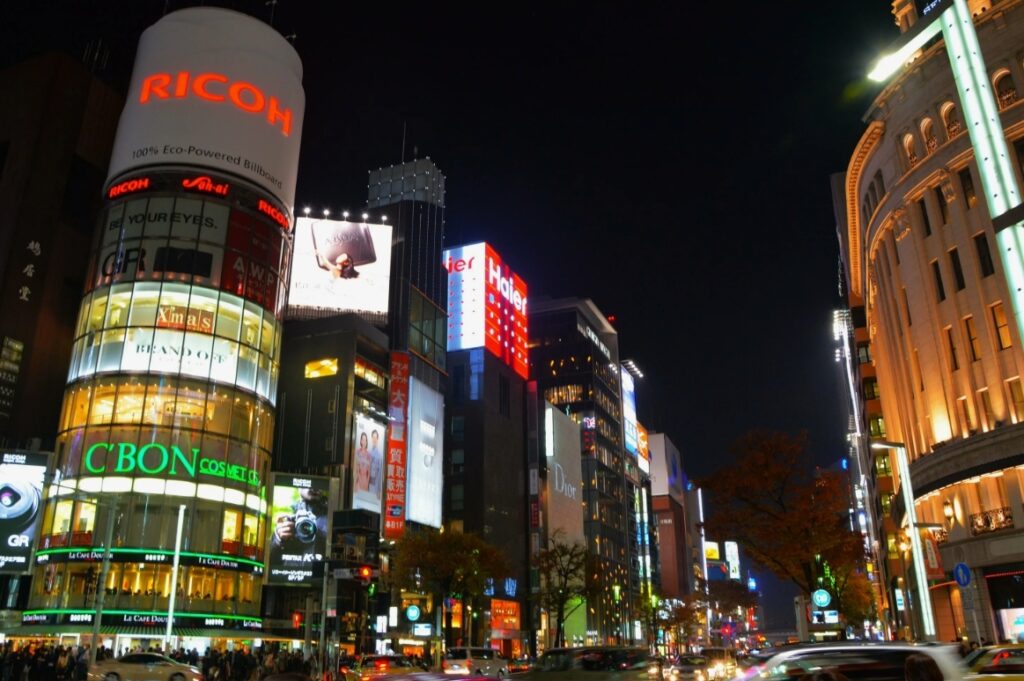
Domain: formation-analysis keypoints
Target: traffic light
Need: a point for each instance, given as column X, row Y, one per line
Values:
column 364, row 574
column 296, row 620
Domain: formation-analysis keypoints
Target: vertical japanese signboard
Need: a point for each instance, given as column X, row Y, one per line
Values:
column 398, row 407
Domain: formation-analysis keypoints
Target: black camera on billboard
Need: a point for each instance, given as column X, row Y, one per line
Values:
column 305, row 526
column 183, row 261
column 19, row 504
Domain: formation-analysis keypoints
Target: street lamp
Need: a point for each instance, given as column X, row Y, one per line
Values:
column 924, row 607
column 947, row 511
column 60, row 490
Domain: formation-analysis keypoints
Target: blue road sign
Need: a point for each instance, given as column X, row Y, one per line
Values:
column 962, row 574
column 821, row 598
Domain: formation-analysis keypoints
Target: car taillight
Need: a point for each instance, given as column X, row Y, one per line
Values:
column 381, row 665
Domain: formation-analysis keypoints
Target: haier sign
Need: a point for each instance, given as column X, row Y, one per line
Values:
column 486, row 305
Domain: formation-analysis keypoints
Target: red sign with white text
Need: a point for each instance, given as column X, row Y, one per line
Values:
column 486, row 305
column 398, row 408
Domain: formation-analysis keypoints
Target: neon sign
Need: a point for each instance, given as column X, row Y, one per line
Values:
column 216, row 87
column 128, row 187
column 277, row 216
column 205, row 184
column 487, row 305
column 156, row 459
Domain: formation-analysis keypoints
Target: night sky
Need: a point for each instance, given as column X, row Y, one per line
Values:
column 670, row 161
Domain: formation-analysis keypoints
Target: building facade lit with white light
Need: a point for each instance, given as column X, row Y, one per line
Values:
column 934, row 333
column 168, row 417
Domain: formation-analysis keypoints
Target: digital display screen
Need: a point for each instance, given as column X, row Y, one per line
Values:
column 299, row 514
column 487, row 305
column 340, row 266
column 426, row 453
column 21, row 487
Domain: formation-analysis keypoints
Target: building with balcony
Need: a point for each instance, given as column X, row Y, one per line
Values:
column 938, row 355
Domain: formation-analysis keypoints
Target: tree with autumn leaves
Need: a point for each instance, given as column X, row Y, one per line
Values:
column 791, row 517
column 448, row 564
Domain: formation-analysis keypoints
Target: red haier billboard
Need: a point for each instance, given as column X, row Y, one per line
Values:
column 486, row 305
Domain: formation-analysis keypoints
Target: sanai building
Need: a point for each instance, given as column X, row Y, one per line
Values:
column 168, row 416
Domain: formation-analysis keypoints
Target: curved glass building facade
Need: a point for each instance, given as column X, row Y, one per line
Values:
column 170, row 402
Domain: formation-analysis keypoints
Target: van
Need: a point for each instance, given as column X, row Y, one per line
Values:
column 465, row 660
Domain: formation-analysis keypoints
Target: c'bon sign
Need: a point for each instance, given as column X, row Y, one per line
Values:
column 201, row 95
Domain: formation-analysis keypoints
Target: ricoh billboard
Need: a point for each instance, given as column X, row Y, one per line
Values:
column 486, row 305
column 340, row 266
column 21, row 487
column 214, row 88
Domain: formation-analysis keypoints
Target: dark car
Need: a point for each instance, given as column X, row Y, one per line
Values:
column 592, row 663
column 879, row 661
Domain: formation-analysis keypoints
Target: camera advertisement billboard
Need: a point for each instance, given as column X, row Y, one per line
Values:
column 369, row 437
column 299, row 513
column 426, row 447
column 339, row 266
column 217, row 89
column 21, row 487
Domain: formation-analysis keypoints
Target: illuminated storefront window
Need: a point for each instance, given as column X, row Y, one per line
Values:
column 322, row 367
column 177, row 329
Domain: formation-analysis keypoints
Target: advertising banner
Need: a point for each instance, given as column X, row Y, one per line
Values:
column 21, row 486
column 367, row 463
column 340, row 266
column 564, row 495
column 629, row 411
column 487, row 305
column 426, row 447
column 718, row 571
column 299, row 514
column 711, row 551
column 932, row 557
column 394, row 477
column 732, row 557
column 217, row 89
column 643, row 449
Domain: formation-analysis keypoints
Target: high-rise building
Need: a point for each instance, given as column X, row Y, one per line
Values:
column 485, row 450
column 668, row 491
column 412, row 195
column 163, row 447
column 574, row 357
column 935, row 330
column 55, row 132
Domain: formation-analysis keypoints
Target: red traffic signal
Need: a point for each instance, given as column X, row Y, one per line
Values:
column 364, row 574
column 296, row 620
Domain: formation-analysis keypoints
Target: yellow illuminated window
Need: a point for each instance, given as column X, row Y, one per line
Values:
column 1002, row 325
column 322, row 367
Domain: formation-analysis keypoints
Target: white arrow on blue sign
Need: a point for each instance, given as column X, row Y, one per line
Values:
column 962, row 574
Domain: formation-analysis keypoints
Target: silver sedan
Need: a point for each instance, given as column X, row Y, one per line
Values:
column 143, row 667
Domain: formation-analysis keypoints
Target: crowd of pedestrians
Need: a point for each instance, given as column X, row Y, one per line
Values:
column 47, row 662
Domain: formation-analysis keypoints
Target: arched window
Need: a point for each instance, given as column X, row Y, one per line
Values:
column 951, row 119
column 873, row 194
column 909, row 149
column 881, row 184
column 928, row 133
column 1006, row 91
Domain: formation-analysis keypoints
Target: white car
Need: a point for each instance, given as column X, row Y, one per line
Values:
column 879, row 661
column 143, row 667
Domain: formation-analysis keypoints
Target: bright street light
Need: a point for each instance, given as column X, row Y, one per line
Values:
column 924, row 601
